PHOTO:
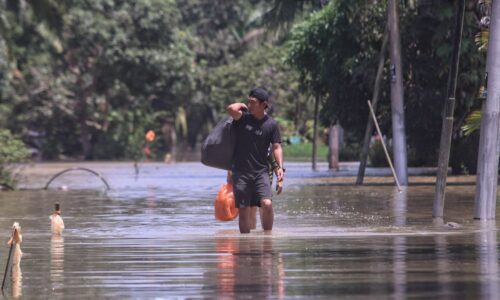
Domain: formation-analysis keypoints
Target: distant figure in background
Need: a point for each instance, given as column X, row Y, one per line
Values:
column 169, row 139
column 56, row 222
column 16, row 238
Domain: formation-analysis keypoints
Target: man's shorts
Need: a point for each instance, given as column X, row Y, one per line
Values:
column 249, row 189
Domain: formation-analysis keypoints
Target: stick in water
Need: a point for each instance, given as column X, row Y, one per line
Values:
column 383, row 145
column 8, row 261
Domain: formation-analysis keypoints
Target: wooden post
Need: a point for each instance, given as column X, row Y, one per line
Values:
column 397, row 97
column 369, row 126
column 315, row 132
column 333, row 146
column 447, row 128
column 487, row 165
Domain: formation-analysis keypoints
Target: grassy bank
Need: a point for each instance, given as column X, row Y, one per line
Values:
column 303, row 152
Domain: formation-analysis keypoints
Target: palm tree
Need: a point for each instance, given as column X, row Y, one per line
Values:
column 283, row 12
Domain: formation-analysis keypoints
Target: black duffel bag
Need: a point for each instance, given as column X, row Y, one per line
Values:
column 218, row 149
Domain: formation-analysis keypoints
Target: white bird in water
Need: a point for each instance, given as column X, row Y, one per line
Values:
column 57, row 223
column 17, row 239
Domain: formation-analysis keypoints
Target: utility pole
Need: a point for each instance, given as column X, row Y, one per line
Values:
column 447, row 128
column 397, row 95
column 487, row 165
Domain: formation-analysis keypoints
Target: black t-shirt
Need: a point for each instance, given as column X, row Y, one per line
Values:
column 253, row 138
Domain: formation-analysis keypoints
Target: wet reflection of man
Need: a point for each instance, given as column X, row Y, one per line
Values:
column 249, row 268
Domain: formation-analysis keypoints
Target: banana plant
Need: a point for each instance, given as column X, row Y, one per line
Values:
column 472, row 122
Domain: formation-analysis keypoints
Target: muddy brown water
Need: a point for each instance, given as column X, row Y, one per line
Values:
column 154, row 236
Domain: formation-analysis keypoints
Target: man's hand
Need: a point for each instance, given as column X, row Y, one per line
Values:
column 279, row 187
column 279, row 183
column 235, row 110
column 279, row 173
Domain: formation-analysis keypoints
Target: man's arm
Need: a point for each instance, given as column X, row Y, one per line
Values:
column 278, row 155
column 234, row 110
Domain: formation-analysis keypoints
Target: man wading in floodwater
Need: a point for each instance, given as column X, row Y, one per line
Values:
column 255, row 131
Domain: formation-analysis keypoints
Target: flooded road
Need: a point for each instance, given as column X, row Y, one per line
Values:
column 154, row 236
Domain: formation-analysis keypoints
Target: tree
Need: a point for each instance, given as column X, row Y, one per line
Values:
column 119, row 62
column 262, row 66
column 336, row 51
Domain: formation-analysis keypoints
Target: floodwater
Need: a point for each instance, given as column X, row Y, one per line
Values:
column 154, row 236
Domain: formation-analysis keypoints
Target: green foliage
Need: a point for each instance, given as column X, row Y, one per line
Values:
column 220, row 27
column 118, row 58
column 262, row 66
column 283, row 13
column 350, row 152
column 12, row 151
column 87, row 79
column 481, row 40
column 376, row 155
column 472, row 122
column 336, row 51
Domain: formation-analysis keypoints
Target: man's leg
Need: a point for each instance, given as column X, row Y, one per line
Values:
column 253, row 217
column 266, row 214
column 245, row 219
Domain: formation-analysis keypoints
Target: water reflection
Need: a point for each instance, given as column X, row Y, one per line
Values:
column 486, row 241
column 17, row 281
column 57, row 263
column 249, row 267
column 442, row 265
column 150, row 199
column 157, row 237
column 399, row 205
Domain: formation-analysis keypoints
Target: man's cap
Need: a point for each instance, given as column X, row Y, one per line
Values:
column 259, row 93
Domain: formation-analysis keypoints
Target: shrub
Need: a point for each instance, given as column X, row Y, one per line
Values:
column 12, row 151
column 376, row 155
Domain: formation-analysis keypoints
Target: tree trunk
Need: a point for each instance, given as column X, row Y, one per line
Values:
column 369, row 125
column 487, row 166
column 315, row 133
column 333, row 146
column 397, row 99
column 447, row 128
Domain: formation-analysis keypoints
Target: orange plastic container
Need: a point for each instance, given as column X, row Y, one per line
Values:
column 225, row 209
